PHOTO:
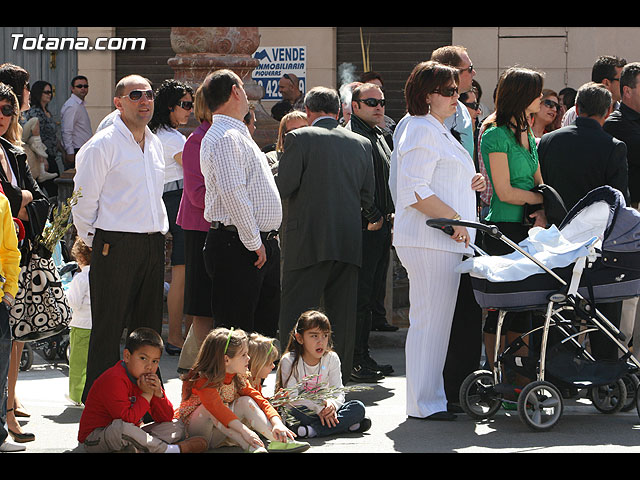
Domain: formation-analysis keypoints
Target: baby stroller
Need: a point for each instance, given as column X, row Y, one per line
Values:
column 560, row 273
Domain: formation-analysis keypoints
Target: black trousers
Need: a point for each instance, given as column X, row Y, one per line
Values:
column 242, row 295
column 465, row 341
column 376, row 250
column 126, row 290
column 331, row 287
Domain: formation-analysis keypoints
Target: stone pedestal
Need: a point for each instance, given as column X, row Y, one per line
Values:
column 201, row 50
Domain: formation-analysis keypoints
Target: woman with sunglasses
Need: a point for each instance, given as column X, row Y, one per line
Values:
column 173, row 106
column 41, row 96
column 509, row 152
column 543, row 119
column 434, row 178
column 30, row 205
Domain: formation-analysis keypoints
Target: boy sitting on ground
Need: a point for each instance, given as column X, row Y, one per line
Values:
column 123, row 395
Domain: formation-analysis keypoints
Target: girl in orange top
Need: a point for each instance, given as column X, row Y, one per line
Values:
column 219, row 403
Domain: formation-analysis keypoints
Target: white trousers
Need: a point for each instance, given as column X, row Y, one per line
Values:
column 433, row 289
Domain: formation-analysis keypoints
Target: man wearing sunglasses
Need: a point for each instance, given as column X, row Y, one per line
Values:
column 121, row 216
column 460, row 123
column 76, row 125
column 367, row 113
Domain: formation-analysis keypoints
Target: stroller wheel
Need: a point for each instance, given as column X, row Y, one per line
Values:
column 631, row 382
column 609, row 398
column 540, row 406
column 478, row 397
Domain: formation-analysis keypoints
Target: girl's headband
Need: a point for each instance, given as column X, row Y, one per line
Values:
column 228, row 339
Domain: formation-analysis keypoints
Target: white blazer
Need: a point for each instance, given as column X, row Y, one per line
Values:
column 429, row 161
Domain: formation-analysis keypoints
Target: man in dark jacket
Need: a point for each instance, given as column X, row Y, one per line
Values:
column 367, row 112
column 624, row 124
column 578, row 158
column 326, row 175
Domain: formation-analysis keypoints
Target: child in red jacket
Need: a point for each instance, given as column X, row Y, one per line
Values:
column 123, row 395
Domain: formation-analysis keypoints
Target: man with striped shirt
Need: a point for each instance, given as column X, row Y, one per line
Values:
column 242, row 203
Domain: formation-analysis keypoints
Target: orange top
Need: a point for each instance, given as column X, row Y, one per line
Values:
column 217, row 399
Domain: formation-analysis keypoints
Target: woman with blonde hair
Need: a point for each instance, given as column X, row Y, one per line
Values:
column 291, row 121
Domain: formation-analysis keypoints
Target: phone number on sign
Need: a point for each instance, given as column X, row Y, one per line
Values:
column 20, row 42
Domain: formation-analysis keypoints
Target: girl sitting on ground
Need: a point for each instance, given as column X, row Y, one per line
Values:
column 219, row 403
column 309, row 356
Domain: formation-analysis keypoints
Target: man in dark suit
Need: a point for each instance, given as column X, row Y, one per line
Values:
column 326, row 174
column 578, row 158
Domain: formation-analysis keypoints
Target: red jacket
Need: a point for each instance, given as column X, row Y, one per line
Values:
column 114, row 395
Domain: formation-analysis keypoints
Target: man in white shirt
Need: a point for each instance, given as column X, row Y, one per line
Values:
column 121, row 216
column 241, row 252
column 76, row 125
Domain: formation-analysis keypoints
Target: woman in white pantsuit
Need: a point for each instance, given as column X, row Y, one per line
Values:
column 434, row 177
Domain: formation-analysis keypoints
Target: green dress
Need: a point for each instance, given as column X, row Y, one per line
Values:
column 523, row 165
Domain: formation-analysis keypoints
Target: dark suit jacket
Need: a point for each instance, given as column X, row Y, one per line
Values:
column 326, row 176
column 580, row 157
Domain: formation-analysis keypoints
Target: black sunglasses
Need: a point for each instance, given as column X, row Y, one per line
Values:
column 551, row 104
column 186, row 105
column 47, row 92
column 136, row 95
column 372, row 102
column 81, row 85
column 472, row 105
column 447, row 91
column 468, row 69
column 8, row 110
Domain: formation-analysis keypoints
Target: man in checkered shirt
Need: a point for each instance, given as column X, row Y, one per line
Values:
column 242, row 202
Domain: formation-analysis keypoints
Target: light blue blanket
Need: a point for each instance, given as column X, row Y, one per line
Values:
column 548, row 246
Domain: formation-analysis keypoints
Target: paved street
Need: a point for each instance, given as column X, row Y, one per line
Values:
column 581, row 429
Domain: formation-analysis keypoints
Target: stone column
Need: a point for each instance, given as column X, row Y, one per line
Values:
column 200, row 50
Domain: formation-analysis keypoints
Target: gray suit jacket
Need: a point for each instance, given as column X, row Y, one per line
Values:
column 326, row 176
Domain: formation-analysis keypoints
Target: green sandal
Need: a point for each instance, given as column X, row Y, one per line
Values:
column 292, row 446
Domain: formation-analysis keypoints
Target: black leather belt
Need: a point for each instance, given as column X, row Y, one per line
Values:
column 232, row 228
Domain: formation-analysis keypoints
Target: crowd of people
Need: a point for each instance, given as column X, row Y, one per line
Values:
column 279, row 255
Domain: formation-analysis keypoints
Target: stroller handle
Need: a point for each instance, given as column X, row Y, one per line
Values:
column 445, row 224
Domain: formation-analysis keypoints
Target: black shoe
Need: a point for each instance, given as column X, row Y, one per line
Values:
column 365, row 425
column 454, row 408
column 438, row 416
column 373, row 365
column 172, row 349
column 442, row 416
column 384, row 327
column 360, row 373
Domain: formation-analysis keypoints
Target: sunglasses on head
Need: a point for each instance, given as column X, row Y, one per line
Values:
column 447, row 91
column 136, row 95
column 186, row 105
column 551, row 104
column 7, row 110
column 372, row 102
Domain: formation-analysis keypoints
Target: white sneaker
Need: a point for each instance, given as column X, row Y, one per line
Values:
column 9, row 446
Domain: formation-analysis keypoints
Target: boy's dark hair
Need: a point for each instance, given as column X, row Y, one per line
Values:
column 143, row 336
